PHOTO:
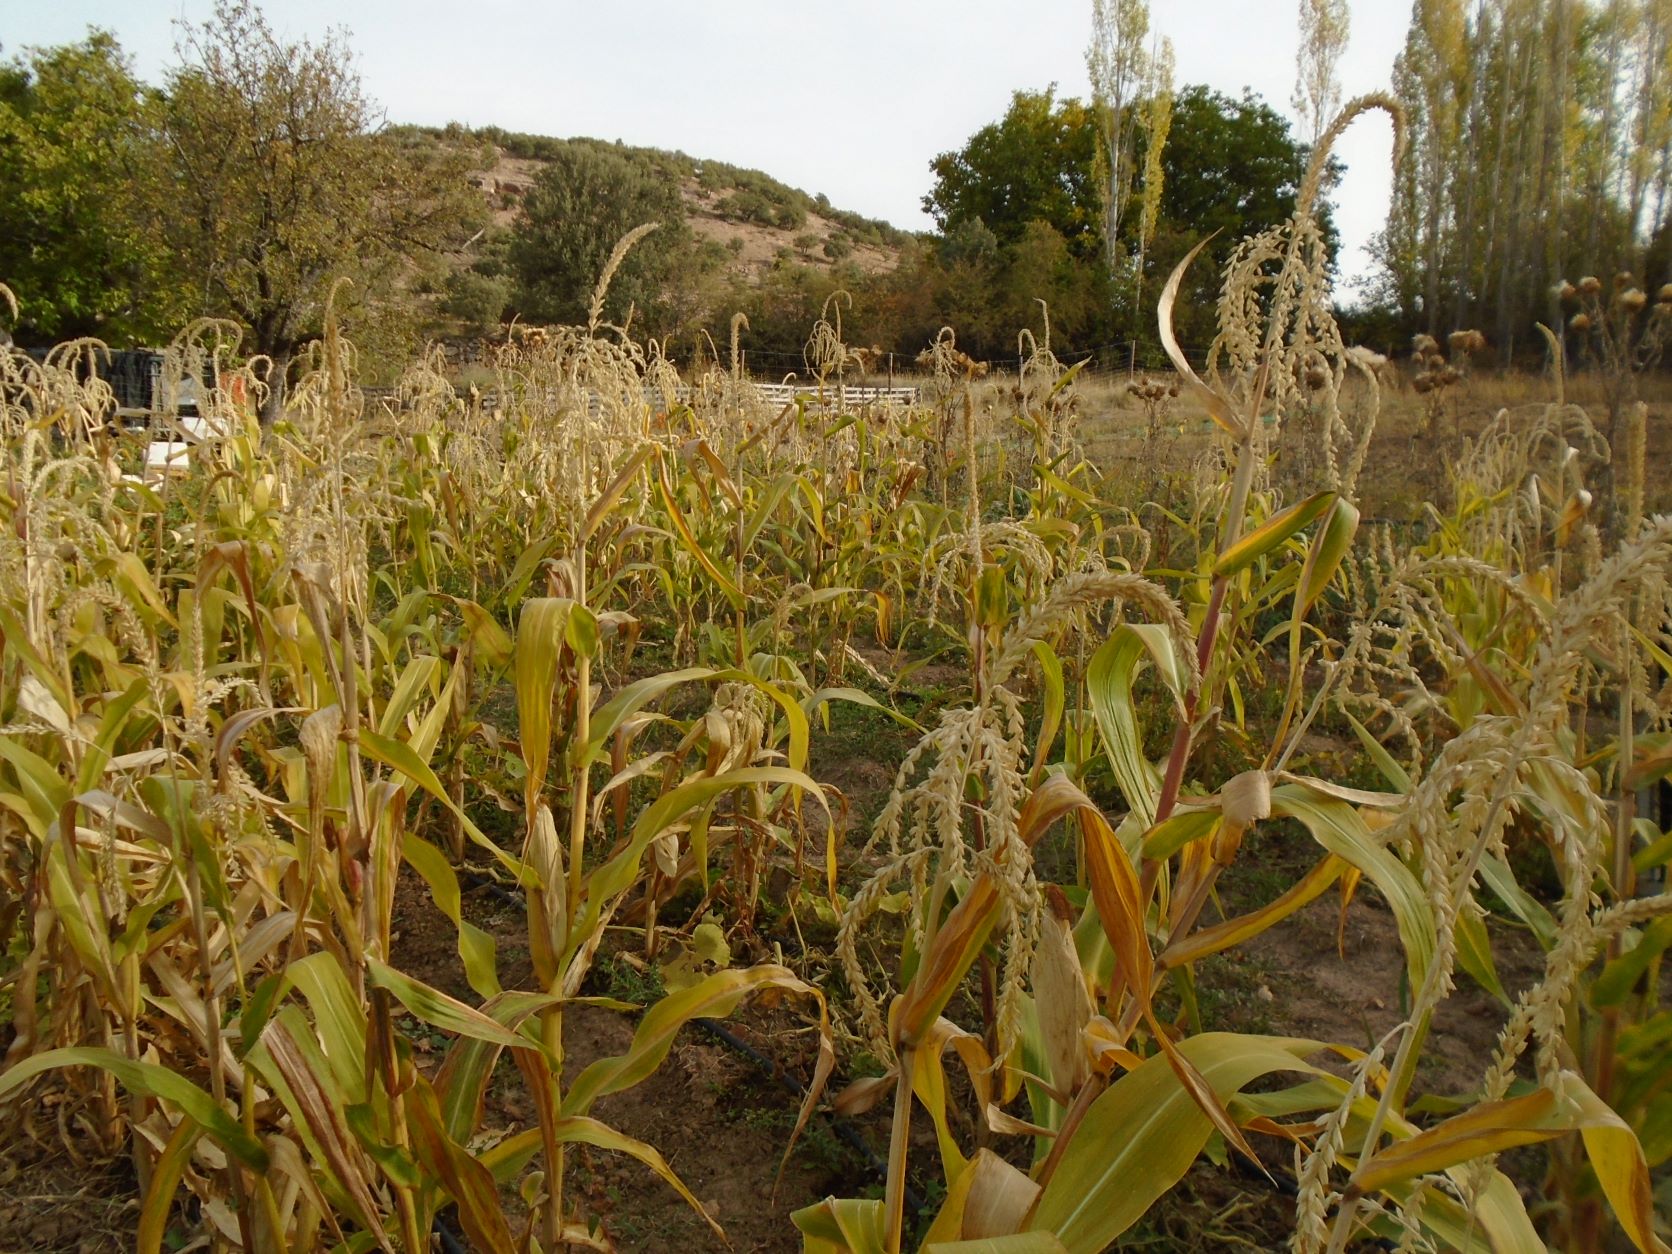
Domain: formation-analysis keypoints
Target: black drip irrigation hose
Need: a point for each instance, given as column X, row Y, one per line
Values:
column 450, row 1244
column 844, row 1129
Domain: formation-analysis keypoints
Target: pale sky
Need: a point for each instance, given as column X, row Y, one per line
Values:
column 851, row 98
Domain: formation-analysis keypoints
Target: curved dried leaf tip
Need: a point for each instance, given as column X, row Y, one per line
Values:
column 1218, row 407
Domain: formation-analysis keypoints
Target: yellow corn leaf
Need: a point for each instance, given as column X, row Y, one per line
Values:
column 490, row 642
column 399, row 756
column 1349, row 888
column 1055, row 702
column 848, row 1225
column 955, row 947
column 416, row 676
column 1211, row 940
column 1105, row 1050
column 1115, row 889
column 1270, row 534
column 928, row 1077
column 1489, row 1128
column 541, row 631
column 166, row 1173
column 1615, row 1153
column 132, row 572
column 610, row 495
column 989, row 1200
column 1617, row 1158
column 694, row 451
column 682, row 528
column 1018, row 1243
column 295, row 1071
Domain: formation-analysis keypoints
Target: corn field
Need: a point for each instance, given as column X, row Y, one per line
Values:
column 583, row 646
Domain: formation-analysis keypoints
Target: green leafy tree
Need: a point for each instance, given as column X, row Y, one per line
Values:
column 1038, row 162
column 583, row 202
column 280, row 180
column 1042, row 267
column 77, row 145
column 478, row 300
column 1226, row 164
column 1233, row 167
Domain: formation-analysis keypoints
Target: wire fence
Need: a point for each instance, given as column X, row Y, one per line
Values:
column 1121, row 359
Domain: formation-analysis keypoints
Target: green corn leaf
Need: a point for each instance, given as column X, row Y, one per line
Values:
column 1328, row 550
column 439, row 1010
column 1140, row 1137
column 1338, row 828
column 148, row 1079
column 1109, row 680
column 476, row 947
column 398, row 756
column 713, row 997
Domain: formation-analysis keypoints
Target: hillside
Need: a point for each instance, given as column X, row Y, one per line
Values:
column 754, row 217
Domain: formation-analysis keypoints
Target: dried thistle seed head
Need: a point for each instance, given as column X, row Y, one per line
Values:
column 1422, row 383
column 1567, row 293
column 1665, row 296
column 1449, row 376
column 1422, row 345
column 1590, row 285
column 1580, row 322
column 1622, row 280
column 1633, row 299
column 1466, row 343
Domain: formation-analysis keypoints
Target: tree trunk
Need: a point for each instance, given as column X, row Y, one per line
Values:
column 277, row 385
